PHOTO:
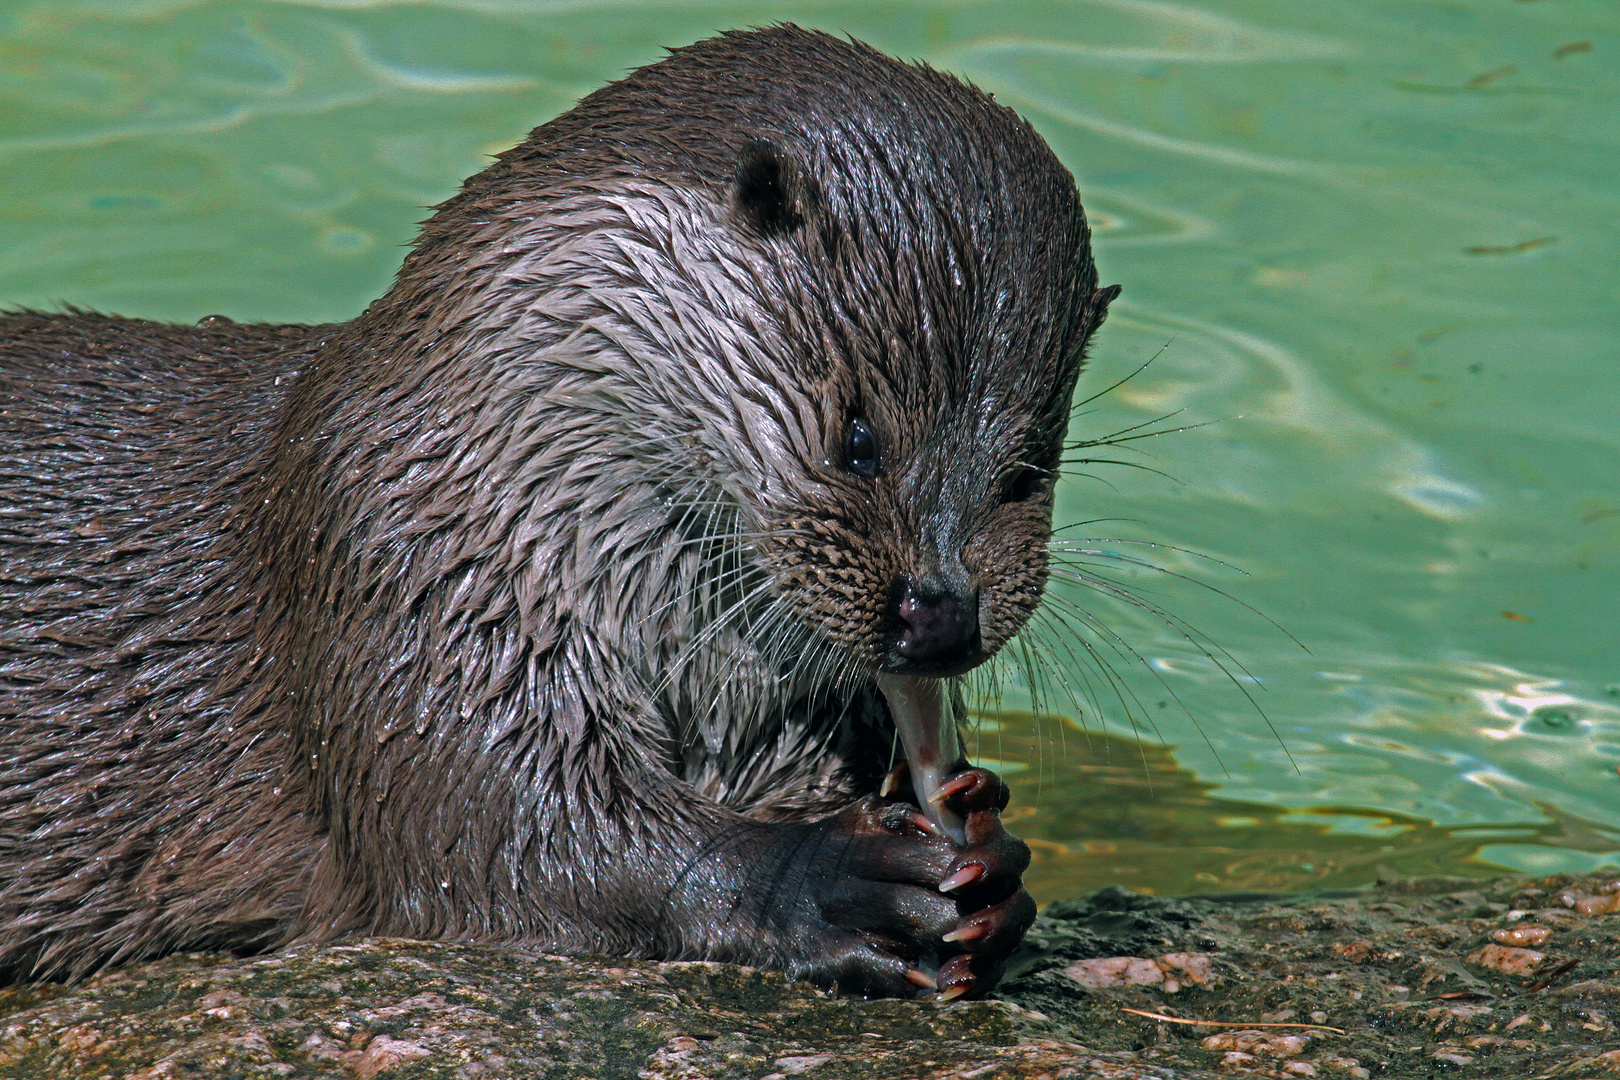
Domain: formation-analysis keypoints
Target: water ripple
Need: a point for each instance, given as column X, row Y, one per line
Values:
column 1192, row 35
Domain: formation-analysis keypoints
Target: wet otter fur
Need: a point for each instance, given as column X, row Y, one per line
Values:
column 569, row 594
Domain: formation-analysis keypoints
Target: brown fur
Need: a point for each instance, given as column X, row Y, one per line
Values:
column 539, row 602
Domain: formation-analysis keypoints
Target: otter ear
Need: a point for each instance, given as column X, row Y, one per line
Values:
column 1099, row 305
column 769, row 194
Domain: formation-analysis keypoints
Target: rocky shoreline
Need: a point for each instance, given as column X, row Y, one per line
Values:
column 1416, row 978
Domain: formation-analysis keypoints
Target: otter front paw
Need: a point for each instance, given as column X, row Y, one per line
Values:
column 877, row 901
column 854, row 903
column 986, row 880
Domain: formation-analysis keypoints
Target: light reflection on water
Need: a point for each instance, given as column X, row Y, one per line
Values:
column 1370, row 246
column 1119, row 812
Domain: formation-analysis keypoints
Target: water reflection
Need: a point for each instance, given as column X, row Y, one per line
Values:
column 1124, row 813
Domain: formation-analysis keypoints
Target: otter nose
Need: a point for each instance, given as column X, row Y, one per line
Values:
column 937, row 630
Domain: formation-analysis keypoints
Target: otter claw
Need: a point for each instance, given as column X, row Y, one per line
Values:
column 966, row 876
column 925, row 825
column 892, row 779
column 921, row 978
column 968, row 932
column 962, row 781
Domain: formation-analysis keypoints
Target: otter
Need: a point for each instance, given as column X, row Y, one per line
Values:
column 579, row 591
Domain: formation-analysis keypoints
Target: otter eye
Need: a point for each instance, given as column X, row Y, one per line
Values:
column 1026, row 484
column 861, row 449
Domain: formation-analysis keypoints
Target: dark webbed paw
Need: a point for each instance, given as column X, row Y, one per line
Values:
column 878, row 901
column 872, row 878
column 986, row 880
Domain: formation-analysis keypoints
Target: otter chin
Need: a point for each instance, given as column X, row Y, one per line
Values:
column 578, row 592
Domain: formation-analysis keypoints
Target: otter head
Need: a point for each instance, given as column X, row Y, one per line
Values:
column 930, row 271
column 784, row 295
column 953, row 295
column 926, row 263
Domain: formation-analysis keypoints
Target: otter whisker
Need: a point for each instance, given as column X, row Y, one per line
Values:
column 1189, row 634
column 1090, row 659
column 1096, row 581
column 1115, row 461
column 1046, row 628
column 718, row 624
column 717, row 570
column 1039, row 677
column 1075, row 407
column 1134, row 433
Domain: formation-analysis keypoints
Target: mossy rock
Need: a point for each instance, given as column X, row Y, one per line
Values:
column 1420, row 978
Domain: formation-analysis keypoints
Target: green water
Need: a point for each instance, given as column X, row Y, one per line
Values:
column 1373, row 242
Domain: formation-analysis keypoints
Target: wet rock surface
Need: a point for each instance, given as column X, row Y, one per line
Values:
column 1430, row 977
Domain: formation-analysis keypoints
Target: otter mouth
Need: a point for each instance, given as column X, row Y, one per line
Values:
column 933, row 627
column 926, row 723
